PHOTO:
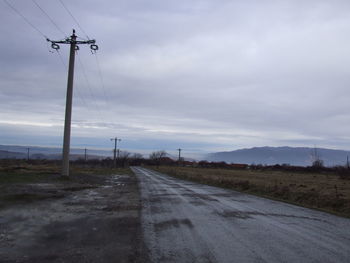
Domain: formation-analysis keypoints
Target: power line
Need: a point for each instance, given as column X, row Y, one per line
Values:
column 107, row 101
column 25, row 19
column 89, row 88
column 80, row 92
column 97, row 61
column 60, row 56
column 71, row 15
column 101, row 78
column 47, row 15
column 77, row 90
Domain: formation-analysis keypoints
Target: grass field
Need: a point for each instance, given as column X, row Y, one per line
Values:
column 316, row 190
column 21, row 182
column 22, row 172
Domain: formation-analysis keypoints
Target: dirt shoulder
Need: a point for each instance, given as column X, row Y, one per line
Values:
column 89, row 218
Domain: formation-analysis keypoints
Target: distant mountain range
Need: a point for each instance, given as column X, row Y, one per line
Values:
column 301, row 156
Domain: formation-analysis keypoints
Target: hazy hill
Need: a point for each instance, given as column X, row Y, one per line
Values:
column 302, row 156
column 12, row 155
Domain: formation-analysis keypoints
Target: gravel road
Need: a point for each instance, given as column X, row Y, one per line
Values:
column 188, row 222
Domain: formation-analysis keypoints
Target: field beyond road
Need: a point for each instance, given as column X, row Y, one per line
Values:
column 323, row 191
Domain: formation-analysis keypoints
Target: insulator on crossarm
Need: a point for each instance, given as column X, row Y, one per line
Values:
column 94, row 47
column 55, row 46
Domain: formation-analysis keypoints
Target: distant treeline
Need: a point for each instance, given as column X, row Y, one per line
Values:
column 126, row 160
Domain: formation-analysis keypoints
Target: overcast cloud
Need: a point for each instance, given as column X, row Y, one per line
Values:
column 204, row 75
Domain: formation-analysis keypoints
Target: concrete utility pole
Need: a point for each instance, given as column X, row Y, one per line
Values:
column 179, row 154
column 73, row 42
column 28, row 149
column 115, row 150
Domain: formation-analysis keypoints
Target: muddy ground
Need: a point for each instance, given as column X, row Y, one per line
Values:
column 90, row 218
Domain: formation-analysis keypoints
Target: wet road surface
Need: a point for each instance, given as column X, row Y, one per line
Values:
column 189, row 222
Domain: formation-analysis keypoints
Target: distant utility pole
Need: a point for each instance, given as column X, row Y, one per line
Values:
column 115, row 150
column 85, row 155
column 73, row 42
column 179, row 154
column 28, row 149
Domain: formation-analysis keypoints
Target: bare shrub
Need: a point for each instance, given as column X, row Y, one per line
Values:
column 343, row 172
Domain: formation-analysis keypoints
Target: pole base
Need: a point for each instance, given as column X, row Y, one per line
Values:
column 64, row 177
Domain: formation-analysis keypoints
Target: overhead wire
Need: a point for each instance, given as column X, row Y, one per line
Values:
column 92, row 95
column 25, row 19
column 71, row 15
column 106, row 97
column 79, row 95
column 80, row 61
column 97, row 60
column 101, row 79
column 49, row 17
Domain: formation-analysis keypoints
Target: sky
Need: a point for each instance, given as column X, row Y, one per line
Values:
column 201, row 75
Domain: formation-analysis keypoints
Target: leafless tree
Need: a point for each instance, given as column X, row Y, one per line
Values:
column 137, row 156
column 157, row 156
column 317, row 162
column 124, row 158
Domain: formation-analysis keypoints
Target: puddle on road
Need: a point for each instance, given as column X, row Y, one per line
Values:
column 201, row 197
column 117, row 180
column 159, row 209
column 174, row 223
column 251, row 214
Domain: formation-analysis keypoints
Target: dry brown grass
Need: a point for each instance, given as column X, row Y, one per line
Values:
column 21, row 182
column 22, row 172
column 316, row 190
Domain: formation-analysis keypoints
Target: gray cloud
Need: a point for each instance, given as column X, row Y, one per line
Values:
column 219, row 75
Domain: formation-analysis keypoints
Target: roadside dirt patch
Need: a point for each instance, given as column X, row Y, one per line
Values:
column 92, row 218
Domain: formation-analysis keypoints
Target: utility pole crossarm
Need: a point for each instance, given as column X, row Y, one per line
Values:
column 72, row 40
column 69, row 41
